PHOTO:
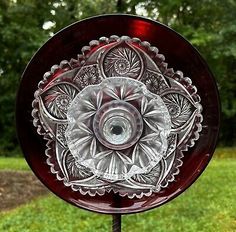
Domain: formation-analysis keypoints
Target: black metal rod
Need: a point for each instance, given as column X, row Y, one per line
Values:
column 116, row 223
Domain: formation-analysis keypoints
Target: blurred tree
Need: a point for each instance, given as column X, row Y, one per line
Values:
column 20, row 35
column 25, row 25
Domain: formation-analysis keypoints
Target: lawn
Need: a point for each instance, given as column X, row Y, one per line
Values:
column 209, row 205
column 13, row 163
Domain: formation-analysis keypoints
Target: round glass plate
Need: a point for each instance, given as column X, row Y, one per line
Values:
column 179, row 54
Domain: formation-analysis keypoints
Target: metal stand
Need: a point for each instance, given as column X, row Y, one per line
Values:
column 116, row 223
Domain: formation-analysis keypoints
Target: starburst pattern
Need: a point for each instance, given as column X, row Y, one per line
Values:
column 122, row 61
column 57, row 100
column 180, row 109
column 155, row 82
column 88, row 76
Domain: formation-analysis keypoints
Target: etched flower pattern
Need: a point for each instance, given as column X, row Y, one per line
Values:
column 57, row 100
column 88, row 75
column 180, row 109
column 122, row 61
column 155, row 82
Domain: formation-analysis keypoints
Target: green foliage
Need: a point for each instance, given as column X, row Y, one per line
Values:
column 208, row 206
column 21, row 35
column 25, row 25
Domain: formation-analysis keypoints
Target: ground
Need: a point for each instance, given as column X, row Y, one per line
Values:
column 18, row 187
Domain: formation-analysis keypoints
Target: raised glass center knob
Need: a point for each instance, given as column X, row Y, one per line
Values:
column 118, row 125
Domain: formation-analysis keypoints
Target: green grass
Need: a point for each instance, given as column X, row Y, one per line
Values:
column 208, row 206
column 13, row 163
column 225, row 152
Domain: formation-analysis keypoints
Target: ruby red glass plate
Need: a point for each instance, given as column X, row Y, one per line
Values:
column 117, row 114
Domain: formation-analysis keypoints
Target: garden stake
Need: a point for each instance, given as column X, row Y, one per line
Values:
column 117, row 114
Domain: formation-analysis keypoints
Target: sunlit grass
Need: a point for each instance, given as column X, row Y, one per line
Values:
column 13, row 163
column 225, row 152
